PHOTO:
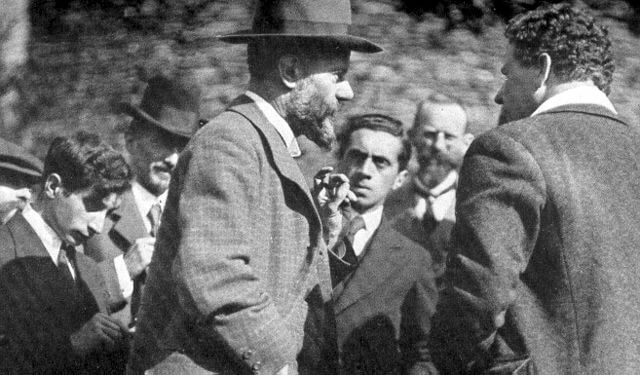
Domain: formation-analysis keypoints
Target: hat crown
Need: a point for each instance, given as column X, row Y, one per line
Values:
column 170, row 104
column 283, row 15
column 321, row 19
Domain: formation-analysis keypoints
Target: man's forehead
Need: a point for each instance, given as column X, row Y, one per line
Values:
column 446, row 117
column 375, row 142
column 331, row 60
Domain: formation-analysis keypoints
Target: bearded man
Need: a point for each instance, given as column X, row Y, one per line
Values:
column 239, row 280
column 423, row 209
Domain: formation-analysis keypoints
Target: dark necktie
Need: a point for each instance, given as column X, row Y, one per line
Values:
column 355, row 225
column 64, row 262
column 154, row 214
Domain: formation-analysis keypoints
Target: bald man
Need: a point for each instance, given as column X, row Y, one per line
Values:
column 423, row 209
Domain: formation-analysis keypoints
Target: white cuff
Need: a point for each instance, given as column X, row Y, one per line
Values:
column 124, row 279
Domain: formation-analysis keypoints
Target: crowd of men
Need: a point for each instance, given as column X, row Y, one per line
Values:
column 206, row 251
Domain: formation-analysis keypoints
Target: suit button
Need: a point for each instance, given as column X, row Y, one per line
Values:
column 247, row 354
column 4, row 340
column 321, row 253
column 256, row 366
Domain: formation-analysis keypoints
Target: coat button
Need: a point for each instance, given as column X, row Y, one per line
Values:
column 4, row 340
column 247, row 354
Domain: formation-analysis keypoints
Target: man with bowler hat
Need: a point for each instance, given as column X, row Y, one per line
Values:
column 19, row 170
column 239, row 281
column 161, row 126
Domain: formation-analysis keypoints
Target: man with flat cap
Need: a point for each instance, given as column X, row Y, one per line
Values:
column 161, row 126
column 19, row 170
column 239, row 281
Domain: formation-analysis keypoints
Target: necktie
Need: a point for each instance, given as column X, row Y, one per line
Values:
column 154, row 214
column 64, row 263
column 355, row 225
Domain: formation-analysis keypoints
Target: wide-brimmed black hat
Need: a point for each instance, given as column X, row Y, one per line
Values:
column 172, row 104
column 17, row 161
column 327, row 20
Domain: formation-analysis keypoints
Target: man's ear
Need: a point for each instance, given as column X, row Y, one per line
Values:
column 53, row 186
column 290, row 69
column 544, row 71
column 400, row 179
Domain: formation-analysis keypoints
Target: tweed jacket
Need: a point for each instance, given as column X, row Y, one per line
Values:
column 40, row 309
column 121, row 229
column 239, row 278
column 383, row 309
column 547, row 230
column 435, row 240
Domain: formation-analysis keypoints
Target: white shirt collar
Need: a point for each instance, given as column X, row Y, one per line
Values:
column 145, row 199
column 372, row 220
column 440, row 202
column 45, row 233
column 278, row 122
column 578, row 95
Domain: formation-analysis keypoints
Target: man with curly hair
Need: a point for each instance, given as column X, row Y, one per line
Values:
column 541, row 277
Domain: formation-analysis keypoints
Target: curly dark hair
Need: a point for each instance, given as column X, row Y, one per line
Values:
column 83, row 161
column 378, row 122
column 579, row 48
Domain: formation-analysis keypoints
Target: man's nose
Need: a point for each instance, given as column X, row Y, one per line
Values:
column 344, row 91
column 365, row 168
column 97, row 222
column 172, row 159
column 440, row 143
column 499, row 99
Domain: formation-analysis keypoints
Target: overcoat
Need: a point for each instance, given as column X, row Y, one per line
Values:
column 383, row 309
column 547, row 229
column 239, row 278
column 40, row 309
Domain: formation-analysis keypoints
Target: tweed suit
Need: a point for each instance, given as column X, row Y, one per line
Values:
column 240, row 271
column 547, row 228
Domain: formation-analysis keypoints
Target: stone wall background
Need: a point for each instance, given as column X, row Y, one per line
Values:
column 85, row 61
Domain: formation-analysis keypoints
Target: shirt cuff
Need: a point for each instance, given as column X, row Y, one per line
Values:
column 124, row 279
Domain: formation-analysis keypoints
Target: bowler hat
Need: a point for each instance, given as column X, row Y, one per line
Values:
column 318, row 19
column 18, row 162
column 171, row 104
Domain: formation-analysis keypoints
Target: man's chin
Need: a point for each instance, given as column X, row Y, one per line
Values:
column 323, row 135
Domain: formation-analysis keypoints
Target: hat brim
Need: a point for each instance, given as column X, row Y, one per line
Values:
column 354, row 43
column 136, row 112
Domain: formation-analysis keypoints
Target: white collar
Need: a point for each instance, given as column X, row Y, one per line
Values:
column 448, row 183
column 372, row 219
column 45, row 233
column 145, row 199
column 278, row 122
column 586, row 94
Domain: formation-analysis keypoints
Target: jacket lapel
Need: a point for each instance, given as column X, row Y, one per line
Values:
column 284, row 163
column 380, row 261
column 128, row 223
column 27, row 242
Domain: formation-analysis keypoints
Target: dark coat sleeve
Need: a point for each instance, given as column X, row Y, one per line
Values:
column 499, row 202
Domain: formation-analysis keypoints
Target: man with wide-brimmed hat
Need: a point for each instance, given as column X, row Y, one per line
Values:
column 161, row 126
column 239, row 281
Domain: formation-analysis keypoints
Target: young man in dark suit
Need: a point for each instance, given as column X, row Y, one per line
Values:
column 383, row 285
column 54, row 315
column 543, row 274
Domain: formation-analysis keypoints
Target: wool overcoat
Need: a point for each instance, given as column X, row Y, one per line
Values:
column 548, row 218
